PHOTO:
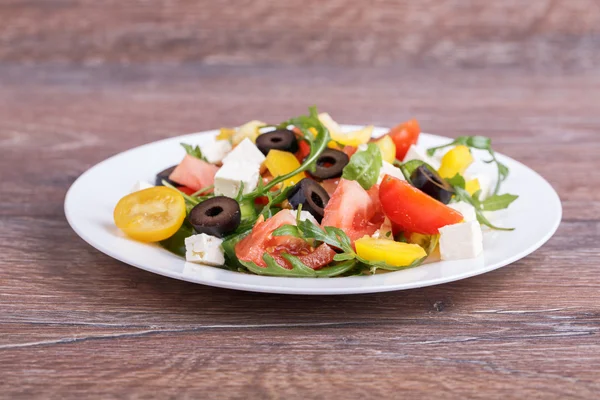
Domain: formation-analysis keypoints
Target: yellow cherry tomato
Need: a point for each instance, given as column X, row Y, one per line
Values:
column 355, row 138
column 456, row 161
column 150, row 215
column 282, row 162
column 472, row 186
column 393, row 253
column 388, row 148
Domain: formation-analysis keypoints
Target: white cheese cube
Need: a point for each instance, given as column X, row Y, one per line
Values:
column 391, row 170
column 467, row 210
column 460, row 241
column 416, row 153
column 247, row 152
column 304, row 215
column 215, row 151
column 230, row 177
column 204, row 249
column 141, row 185
column 384, row 231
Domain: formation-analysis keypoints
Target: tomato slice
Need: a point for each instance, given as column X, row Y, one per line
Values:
column 404, row 135
column 260, row 241
column 150, row 215
column 303, row 150
column 186, row 190
column 412, row 210
column 353, row 209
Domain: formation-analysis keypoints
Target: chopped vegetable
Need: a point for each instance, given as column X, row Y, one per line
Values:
column 282, row 163
column 456, row 161
column 364, row 167
column 388, row 148
column 405, row 135
column 392, row 253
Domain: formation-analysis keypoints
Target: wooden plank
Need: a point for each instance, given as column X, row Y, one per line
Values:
column 75, row 323
column 538, row 34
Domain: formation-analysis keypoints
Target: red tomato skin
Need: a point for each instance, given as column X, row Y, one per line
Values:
column 412, row 210
column 353, row 209
column 186, row 190
column 194, row 173
column 404, row 135
column 261, row 241
column 303, row 150
column 350, row 150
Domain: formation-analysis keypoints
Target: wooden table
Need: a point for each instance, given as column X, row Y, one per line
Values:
column 75, row 323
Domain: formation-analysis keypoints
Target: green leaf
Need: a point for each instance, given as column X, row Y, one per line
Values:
column 463, row 195
column 479, row 142
column 457, row 180
column 344, row 257
column 287, row 230
column 336, row 270
column 228, row 247
column 274, row 269
column 318, row 145
column 498, row 202
column 364, row 166
column 193, row 151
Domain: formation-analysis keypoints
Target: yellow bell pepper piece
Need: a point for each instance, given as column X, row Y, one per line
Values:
column 355, row 138
column 225, row 134
column 388, row 148
column 393, row 253
column 332, row 126
column 249, row 130
column 472, row 186
column 281, row 163
column 456, row 161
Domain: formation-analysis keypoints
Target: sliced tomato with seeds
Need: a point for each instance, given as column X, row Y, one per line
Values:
column 353, row 209
column 261, row 241
column 405, row 135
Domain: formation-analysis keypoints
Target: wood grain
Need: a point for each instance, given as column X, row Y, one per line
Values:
column 74, row 323
column 537, row 34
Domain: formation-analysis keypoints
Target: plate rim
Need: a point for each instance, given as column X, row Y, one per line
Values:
column 251, row 287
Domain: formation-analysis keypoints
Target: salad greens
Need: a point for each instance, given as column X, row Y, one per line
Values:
column 364, row 166
column 481, row 143
column 193, row 151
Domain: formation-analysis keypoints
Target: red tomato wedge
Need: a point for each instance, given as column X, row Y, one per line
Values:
column 186, row 190
column 412, row 210
column 303, row 150
column 404, row 135
column 261, row 241
column 353, row 209
column 194, row 173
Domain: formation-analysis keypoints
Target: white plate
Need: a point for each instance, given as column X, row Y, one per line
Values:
column 91, row 199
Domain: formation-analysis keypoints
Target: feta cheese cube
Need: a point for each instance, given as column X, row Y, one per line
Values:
column 391, row 170
column 204, row 249
column 384, row 231
column 215, row 151
column 416, row 153
column 229, row 178
column 467, row 210
column 304, row 215
column 460, row 241
column 247, row 152
column 141, row 185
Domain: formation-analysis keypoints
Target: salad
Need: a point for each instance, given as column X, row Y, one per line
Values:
column 303, row 198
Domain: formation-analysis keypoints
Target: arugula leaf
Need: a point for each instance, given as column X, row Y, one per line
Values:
column 457, row 180
column 336, row 270
column 193, row 151
column 298, row 270
column 304, row 123
column 498, row 202
column 364, row 166
column 287, row 230
column 462, row 195
column 176, row 243
column 481, row 143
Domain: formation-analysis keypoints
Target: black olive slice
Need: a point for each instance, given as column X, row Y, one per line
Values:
column 330, row 164
column 216, row 216
column 164, row 176
column 280, row 139
column 311, row 195
column 431, row 183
